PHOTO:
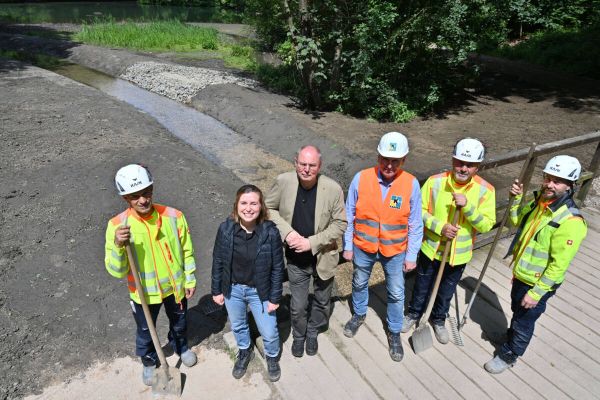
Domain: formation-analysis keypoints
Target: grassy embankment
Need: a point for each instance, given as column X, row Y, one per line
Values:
column 174, row 36
column 576, row 52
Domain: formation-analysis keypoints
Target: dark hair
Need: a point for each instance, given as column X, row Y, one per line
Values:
column 264, row 212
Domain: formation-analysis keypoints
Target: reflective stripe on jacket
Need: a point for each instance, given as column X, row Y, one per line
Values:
column 162, row 247
column 546, row 242
column 478, row 215
column 382, row 225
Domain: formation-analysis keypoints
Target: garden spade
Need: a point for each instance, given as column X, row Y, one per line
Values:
column 421, row 338
column 167, row 380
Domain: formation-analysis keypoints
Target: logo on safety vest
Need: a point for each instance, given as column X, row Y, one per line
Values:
column 569, row 242
column 396, row 202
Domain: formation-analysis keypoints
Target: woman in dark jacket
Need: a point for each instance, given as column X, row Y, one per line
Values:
column 247, row 270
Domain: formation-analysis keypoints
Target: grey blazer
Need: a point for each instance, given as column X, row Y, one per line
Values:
column 330, row 217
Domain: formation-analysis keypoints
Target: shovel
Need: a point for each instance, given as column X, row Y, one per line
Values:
column 167, row 380
column 421, row 338
column 496, row 238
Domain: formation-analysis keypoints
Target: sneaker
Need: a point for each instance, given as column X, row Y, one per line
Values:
column 241, row 363
column 497, row 365
column 407, row 323
column 353, row 324
column 148, row 375
column 273, row 369
column 312, row 346
column 441, row 333
column 298, row 348
column 396, row 351
column 188, row 358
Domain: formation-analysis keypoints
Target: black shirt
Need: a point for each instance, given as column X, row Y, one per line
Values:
column 303, row 222
column 244, row 256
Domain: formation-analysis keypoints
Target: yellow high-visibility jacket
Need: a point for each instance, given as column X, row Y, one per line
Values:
column 478, row 215
column 162, row 247
column 546, row 242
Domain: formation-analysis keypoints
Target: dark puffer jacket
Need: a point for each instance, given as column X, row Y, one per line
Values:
column 268, row 268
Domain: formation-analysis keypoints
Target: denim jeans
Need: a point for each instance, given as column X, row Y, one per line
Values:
column 426, row 273
column 240, row 297
column 522, row 324
column 305, row 323
column 394, row 282
column 177, row 328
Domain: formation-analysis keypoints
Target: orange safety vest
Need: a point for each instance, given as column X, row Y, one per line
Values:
column 382, row 226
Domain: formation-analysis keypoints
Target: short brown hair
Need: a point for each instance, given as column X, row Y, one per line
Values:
column 264, row 212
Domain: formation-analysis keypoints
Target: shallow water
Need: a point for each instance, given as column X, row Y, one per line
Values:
column 211, row 138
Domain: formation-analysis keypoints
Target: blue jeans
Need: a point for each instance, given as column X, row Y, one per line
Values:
column 426, row 273
column 394, row 282
column 522, row 324
column 240, row 297
column 177, row 327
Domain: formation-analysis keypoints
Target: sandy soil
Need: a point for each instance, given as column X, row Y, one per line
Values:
column 60, row 313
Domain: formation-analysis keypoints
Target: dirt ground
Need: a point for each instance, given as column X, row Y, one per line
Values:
column 60, row 312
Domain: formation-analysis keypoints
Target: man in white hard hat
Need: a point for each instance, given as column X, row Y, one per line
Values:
column 551, row 228
column 308, row 209
column 442, row 195
column 384, row 224
column 161, row 243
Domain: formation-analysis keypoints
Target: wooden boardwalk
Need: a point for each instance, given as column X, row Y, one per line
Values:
column 562, row 362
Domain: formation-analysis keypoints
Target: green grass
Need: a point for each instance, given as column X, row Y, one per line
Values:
column 160, row 36
column 39, row 60
column 576, row 52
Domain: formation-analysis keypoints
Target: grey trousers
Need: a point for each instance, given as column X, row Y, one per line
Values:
column 308, row 322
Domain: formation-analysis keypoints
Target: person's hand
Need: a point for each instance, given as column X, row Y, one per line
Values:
column 271, row 307
column 189, row 292
column 301, row 245
column 450, row 231
column 528, row 302
column 516, row 189
column 122, row 236
column 409, row 266
column 219, row 299
column 459, row 199
column 292, row 237
column 348, row 254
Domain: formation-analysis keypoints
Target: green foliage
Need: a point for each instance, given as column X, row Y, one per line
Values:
column 156, row 36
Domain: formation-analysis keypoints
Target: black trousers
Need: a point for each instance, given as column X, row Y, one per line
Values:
column 307, row 322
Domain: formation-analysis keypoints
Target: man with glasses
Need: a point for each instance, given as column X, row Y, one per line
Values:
column 551, row 228
column 383, row 209
column 441, row 195
column 160, row 241
column 308, row 209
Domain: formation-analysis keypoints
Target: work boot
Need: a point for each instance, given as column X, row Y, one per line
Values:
column 148, row 374
column 353, row 324
column 244, row 356
column 312, row 346
column 273, row 369
column 188, row 358
column 497, row 365
column 396, row 351
column 408, row 322
column 441, row 333
column 298, row 347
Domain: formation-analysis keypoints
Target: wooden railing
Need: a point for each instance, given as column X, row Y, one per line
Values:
column 584, row 182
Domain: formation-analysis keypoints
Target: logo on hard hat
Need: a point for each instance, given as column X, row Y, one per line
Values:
column 392, row 147
column 134, row 184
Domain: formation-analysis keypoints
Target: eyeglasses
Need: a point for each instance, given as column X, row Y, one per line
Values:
column 307, row 165
column 555, row 179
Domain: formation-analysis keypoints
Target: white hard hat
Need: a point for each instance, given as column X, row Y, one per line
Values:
column 565, row 167
column 393, row 145
column 132, row 178
column 469, row 149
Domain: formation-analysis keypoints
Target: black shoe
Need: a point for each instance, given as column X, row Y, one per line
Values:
column 241, row 363
column 273, row 369
column 353, row 324
column 396, row 350
column 298, row 348
column 312, row 346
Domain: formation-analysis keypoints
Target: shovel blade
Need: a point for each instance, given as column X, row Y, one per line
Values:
column 167, row 381
column 422, row 339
